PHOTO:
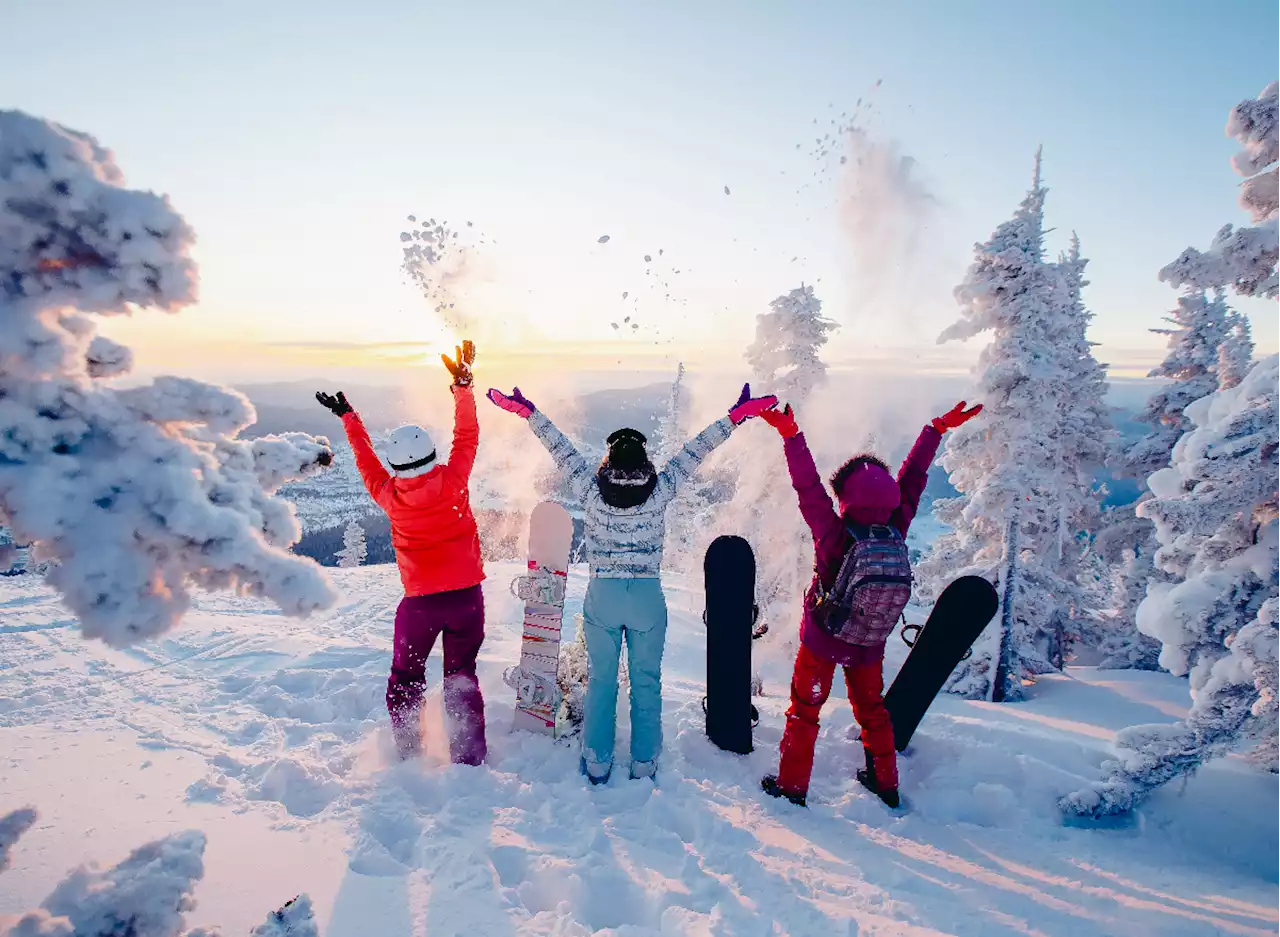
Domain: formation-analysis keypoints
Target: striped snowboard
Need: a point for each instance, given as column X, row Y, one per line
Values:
column 537, row 695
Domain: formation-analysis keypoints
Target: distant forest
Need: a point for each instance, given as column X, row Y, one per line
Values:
column 502, row 534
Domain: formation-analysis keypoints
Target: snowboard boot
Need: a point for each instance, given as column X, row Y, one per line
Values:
column 644, row 769
column 867, row 778
column 595, row 779
column 769, row 784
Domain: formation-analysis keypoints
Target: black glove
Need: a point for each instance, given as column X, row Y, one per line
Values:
column 338, row 405
column 460, row 367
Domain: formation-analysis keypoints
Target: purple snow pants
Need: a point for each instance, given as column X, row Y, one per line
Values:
column 419, row 620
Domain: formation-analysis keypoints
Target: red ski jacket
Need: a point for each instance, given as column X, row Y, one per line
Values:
column 432, row 527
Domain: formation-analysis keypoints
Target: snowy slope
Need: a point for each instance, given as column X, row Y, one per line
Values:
column 269, row 734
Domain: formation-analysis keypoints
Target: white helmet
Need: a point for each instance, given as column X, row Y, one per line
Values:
column 411, row 452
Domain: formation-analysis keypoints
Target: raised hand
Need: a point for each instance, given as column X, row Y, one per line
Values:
column 748, row 406
column 517, row 403
column 956, row 416
column 460, row 367
column 784, row 421
column 338, row 405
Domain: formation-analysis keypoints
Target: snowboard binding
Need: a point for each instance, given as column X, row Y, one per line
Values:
column 915, row 636
column 755, row 713
column 540, row 587
column 533, row 689
column 757, row 630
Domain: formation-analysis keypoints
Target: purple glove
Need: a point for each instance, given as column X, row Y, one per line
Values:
column 517, row 403
column 748, row 406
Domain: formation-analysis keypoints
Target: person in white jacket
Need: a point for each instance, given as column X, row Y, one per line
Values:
column 625, row 501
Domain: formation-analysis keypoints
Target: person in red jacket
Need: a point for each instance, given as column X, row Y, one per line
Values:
column 438, row 555
column 868, row 496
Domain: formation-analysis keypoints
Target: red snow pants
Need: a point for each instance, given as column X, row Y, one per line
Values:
column 810, row 687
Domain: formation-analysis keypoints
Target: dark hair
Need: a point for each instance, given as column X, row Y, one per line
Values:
column 841, row 475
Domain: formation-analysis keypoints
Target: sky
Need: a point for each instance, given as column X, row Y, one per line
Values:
column 296, row 138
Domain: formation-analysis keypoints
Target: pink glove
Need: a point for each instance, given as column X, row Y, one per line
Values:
column 517, row 403
column 748, row 406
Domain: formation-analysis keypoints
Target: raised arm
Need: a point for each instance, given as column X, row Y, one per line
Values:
column 684, row 464
column 816, row 506
column 914, row 474
column 466, row 431
column 566, row 456
column 376, row 478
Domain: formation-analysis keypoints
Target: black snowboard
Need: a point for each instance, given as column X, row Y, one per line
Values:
column 958, row 617
column 730, row 571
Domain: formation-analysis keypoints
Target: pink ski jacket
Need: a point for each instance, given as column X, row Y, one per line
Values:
column 863, row 503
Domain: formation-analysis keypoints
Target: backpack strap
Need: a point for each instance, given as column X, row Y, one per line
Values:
column 872, row 531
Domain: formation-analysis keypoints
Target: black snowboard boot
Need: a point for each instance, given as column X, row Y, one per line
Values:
column 769, row 784
column 867, row 778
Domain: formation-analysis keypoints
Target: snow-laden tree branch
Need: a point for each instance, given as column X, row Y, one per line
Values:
column 135, row 496
column 12, row 825
column 1244, row 258
column 148, row 894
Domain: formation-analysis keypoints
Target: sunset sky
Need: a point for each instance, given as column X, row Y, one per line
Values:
column 297, row 137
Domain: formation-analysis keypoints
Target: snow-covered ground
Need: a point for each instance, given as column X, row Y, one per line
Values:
column 269, row 734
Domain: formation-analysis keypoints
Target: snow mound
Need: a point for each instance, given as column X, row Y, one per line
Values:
column 303, row 789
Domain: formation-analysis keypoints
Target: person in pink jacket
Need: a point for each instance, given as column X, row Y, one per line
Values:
column 868, row 496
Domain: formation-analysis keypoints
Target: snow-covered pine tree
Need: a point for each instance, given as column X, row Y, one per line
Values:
column 785, row 355
column 1198, row 326
column 669, row 438
column 1215, row 511
column 1086, row 438
column 1217, row 516
column 785, row 360
column 1125, row 546
column 353, row 550
column 139, row 494
column 1006, row 523
column 687, row 521
column 1235, row 354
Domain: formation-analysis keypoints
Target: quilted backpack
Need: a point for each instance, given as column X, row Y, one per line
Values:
column 870, row 590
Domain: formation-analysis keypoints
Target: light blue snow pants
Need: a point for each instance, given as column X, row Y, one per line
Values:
column 614, row 609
